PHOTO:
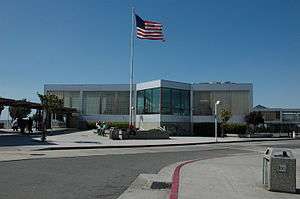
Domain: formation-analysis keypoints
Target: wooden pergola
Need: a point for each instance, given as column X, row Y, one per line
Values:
column 39, row 107
column 32, row 105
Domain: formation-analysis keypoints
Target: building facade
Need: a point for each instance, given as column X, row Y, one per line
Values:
column 280, row 119
column 181, row 108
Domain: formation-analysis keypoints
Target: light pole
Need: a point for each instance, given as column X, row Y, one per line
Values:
column 216, row 120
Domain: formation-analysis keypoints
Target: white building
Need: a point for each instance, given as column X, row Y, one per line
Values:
column 181, row 108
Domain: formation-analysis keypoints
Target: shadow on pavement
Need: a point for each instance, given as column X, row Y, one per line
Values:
column 17, row 139
column 60, row 132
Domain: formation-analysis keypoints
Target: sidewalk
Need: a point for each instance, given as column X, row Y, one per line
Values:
column 88, row 139
column 229, row 178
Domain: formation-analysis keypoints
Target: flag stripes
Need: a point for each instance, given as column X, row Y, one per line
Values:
column 148, row 29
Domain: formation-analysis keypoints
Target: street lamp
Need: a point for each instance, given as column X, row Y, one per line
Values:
column 216, row 120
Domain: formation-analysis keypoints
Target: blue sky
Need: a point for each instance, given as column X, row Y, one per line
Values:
column 77, row 41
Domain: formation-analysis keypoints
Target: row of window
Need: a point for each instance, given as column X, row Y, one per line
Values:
column 286, row 116
column 271, row 115
column 291, row 116
column 238, row 102
column 164, row 101
column 100, row 102
column 106, row 103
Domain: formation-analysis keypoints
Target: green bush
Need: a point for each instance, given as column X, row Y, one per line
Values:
column 261, row 129
column 120, row 125
column 235, row 128
column 206, row 129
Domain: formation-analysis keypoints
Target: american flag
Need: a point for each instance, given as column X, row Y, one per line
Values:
column 148, row 29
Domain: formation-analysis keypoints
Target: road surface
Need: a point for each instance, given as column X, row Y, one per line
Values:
column 104, row 176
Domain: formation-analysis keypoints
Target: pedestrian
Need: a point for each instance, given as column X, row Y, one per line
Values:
column 15, row 125
column 22, row 125
column 29, row 125
column 98, row 126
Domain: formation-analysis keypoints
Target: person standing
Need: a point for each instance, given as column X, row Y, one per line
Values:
column 30, row 123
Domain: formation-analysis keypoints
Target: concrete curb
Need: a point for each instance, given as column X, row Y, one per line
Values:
column 155, row 145
column 176, row 178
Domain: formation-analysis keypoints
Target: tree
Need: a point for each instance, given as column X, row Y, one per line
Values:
column 51, row 104
column 225, row 115
column 254, row 118
column 19, row 111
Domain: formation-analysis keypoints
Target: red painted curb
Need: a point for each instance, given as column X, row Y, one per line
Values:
column 176, row 178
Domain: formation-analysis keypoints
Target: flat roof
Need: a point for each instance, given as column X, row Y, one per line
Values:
column 261, row 108
column 150, row 84
column 86, row 87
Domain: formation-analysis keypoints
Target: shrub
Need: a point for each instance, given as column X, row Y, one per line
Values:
column 120, row 125
column 235, row 128
column 206, row 129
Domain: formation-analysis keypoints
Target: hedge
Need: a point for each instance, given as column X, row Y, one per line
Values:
column 208, row 129
column 235, row 128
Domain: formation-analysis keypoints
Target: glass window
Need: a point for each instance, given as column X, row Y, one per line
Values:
column 91, row 103
column 156, row 100
column 240, row 103
column 202, row 103
column 106, row 102
column 148, row 101
column 291, row 116
column 123, row 97
column 163, row 100
column 176, row 103
column 72, row 99
column 236, row 101
column 271, row 115
column 180, row 102
column 166, row 105
column 140, row 102
column 186, row 102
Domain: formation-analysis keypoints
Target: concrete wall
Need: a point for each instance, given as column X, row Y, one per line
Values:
column 106, row 118
column 211, row 118
column 176, row 125
column 163, row 83
column 147, row 122
column 175, row 118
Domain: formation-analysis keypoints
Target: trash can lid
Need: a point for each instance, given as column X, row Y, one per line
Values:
column 279, row 153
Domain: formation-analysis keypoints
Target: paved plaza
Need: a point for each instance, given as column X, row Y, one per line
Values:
column 72, row 139
column 233, row 177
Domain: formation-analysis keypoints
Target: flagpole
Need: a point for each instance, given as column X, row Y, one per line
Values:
column 131, row 68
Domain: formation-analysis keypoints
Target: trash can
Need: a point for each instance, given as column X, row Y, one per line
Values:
column 279, row 170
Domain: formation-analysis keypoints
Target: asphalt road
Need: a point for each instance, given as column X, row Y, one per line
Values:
column 104, row 177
